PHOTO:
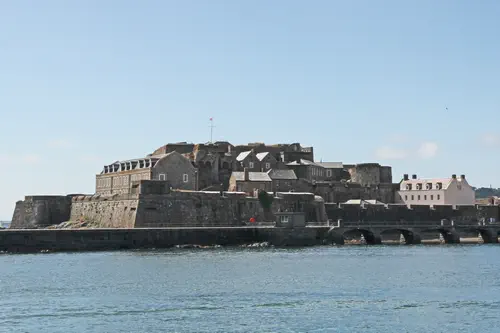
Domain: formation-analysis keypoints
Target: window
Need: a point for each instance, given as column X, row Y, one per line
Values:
column 268, row 165
column 418, row 197
column 408, row 187
column 250, row 165
column 161, row 176
column 185, row 177
column 328, row 173
column 428, row 186
column 425, row 197
column 438, row 196
column 412, row 197
column 284, row 218
column 419, row 186
column 406, row 197
column 439, row 186
column 432, row 197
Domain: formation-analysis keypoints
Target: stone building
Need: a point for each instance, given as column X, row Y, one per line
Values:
column 249, row 160
column 118, row 177
column 334, row 171
column 369, row 173
column 436, row 191
column 246, row 181
column 308, row 170
column 281, row 152
column 283, row 180
column 267, row 161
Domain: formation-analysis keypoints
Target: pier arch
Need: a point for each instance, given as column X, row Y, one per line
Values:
column 370, row 237
column 488, row 235
column 410, row 237
column 449, row 235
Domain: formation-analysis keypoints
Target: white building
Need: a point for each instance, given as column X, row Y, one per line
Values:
column 438, row 191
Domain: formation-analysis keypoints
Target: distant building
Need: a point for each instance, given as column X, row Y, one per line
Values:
column 335, row 171
column 4, row 224
column 249, row 160
column 118, row 177
column 266, row 161
column 283, row 179
column 437, row 191
column 308, row 170
column 246, row 181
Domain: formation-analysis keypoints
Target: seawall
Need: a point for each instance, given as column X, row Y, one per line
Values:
column 26, row 241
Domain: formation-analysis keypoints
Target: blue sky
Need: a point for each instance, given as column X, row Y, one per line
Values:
column 84, row 83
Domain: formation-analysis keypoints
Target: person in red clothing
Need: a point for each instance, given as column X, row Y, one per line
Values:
column 252, row 219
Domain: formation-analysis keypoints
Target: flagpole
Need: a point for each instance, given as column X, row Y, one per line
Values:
column 211, row 129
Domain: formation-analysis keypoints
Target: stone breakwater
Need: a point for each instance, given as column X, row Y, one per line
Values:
column 52, row 240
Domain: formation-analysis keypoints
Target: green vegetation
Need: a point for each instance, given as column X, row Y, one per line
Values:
column 486, row 192
column 265, row 199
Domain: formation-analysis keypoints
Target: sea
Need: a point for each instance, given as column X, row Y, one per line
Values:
column 389, row 289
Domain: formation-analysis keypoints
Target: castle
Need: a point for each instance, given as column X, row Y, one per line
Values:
column 223, row 166
column 222, row 185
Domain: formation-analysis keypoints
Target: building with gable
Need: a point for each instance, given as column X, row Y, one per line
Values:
column 435, row 191
column 173, row 167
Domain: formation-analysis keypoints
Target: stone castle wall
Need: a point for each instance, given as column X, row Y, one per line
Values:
column 118, row 211
column 211, row 209
column 41, row 211
column 397, row 213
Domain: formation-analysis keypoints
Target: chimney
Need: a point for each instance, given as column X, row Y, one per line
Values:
column 462, row 177
column 454, row 176
column 405, row 176
column 247, row 178
column 413, row 176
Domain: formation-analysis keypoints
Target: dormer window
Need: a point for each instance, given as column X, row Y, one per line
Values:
column 419, row 186
column 439, row 186
column 408, row 187
column 428, row 186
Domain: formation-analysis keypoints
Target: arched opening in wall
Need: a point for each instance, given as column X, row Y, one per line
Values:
column 225, row 165
column 399, row 236
column 478, row 236
column 440, row 236
column 359, row 237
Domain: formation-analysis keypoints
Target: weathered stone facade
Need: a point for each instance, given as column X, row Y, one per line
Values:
column 118, row 177
column 41, row 211
column 248, row 182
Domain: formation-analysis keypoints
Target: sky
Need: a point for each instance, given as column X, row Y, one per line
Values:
column 412, row 84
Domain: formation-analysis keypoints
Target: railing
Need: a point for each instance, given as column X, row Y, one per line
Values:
column 419, row 224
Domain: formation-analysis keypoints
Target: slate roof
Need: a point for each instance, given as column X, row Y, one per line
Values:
column 243, row 155
column 360, row 201
column 282, row 174
column 263, row 155
column 303, row 162
column 331, row 165
column 252, row 176
column 445, row 181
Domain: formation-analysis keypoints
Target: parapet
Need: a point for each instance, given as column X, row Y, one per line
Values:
column 398, row 212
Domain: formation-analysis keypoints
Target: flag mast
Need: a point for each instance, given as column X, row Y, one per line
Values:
column 211, row 129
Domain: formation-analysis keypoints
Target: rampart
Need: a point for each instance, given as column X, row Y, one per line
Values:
column 418, row 213
column 154, row 207
column 41, row 211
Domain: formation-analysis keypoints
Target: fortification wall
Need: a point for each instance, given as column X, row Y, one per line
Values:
column 41, row 211
column 395, row 212
column 105, row 211
column 188, row 209
column 207, row 209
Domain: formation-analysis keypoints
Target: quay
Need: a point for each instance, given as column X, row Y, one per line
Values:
column 54, row 240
